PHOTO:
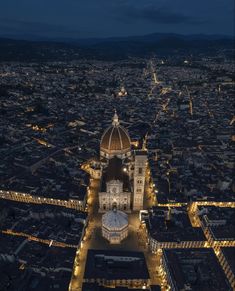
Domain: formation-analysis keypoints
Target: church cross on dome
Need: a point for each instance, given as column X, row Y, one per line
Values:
column 115, row 119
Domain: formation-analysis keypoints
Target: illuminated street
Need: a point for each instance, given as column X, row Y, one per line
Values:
column 44, row 241
column 80, row 259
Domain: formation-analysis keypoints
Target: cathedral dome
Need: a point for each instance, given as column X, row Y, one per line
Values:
column 115, row 140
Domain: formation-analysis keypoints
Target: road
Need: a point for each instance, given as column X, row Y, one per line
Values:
column 38, row 239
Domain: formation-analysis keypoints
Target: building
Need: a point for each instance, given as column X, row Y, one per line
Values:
column 122, row 92
column 226, row 258
column 171, row 228
column 193, row 269
column 115, row 188
column 115, row 226
column 116, row 269
column 218, row 225
column 123, row 170
column 97, row 287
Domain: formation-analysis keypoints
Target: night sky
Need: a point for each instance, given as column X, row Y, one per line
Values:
column 104, row 18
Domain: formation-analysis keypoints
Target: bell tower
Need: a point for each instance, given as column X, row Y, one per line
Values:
column 139, row 179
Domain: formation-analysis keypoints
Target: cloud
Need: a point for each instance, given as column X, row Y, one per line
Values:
column 157, row 15
column 28, row 25
column 103, row 18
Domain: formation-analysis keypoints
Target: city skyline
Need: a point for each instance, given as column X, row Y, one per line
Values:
column 117, row 145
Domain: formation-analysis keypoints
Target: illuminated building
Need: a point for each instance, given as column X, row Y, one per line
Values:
column 122, row 92
column 115, row 226
column 123, row 171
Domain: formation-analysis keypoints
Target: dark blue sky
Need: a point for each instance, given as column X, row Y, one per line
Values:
column 103, row 18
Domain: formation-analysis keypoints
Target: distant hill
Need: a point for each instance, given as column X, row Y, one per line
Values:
column 150, row 38
column 24, row 50
column 111, row 48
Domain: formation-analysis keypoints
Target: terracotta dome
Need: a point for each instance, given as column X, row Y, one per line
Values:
column 115, row 139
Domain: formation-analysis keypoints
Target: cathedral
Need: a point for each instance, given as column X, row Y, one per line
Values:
column 122, row 171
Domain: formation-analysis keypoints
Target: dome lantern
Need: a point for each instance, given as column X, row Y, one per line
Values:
column 115, row 119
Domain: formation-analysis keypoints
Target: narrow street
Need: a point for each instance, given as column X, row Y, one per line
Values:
column 80, row 260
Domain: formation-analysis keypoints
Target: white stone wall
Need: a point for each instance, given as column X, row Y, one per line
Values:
column 115, row 237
